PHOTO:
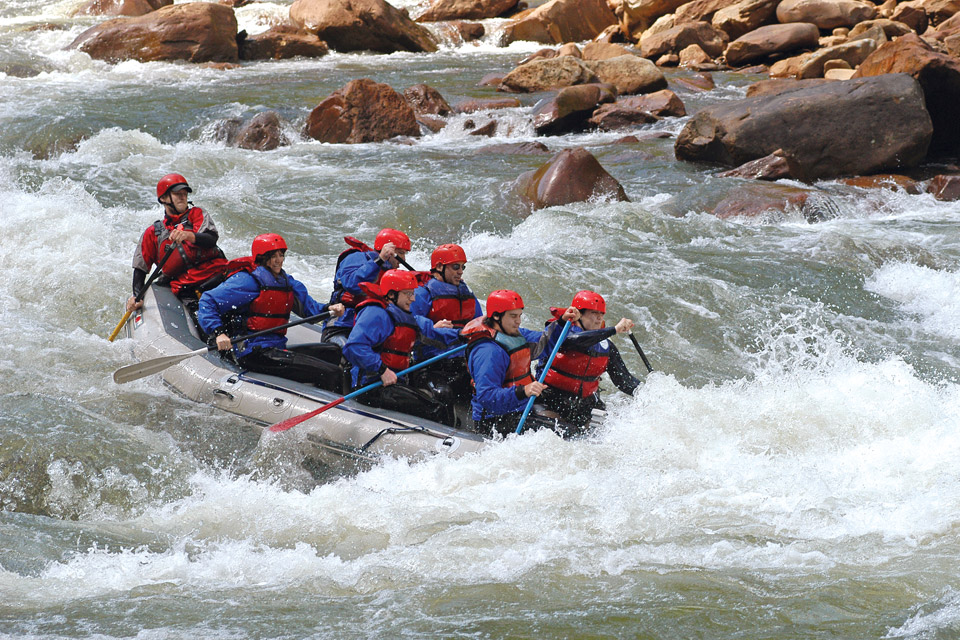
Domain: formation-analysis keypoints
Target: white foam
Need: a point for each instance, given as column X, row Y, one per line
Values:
column 932, row 296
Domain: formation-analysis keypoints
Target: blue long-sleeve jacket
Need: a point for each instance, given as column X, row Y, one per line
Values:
column 233, row 297
column 357, row 267
column 423, row 302
column 488, row 363
column 579, row 339
column 372, row 327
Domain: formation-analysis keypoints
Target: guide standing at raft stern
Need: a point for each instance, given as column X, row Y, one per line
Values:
column 498, row 357
column 573, row 381
column 192, row 235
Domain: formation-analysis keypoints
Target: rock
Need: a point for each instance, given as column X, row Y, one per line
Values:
column 604, row 51
column 675, row 39
column 515, row 149
column 194, row 32
column 830, row 65
column 361, row 25
column 441, row 10
column 611, row 117
column 945, row 188
column 570, row 108
column 551, row 73
column 611, row 34
column 430, row 124
column 757, row 198
column 937, row 11
column 263, row 132
column 128, row 8
column 491, row 80
column 468, row 31
column 668, row 60
column 693, row 56
column 890, row 181
column 853, row 53
column 777, row 86
column 570, row 49
column 745, row 16
column 911, row 15
column 543, row 54
column 663, row 103
column 629, row 74
column 856, row 127
column 937, row 73
column 695, row 82
column 488, row 130
column 838, row 74
column 788, row 67
column 826, row 14
column 639, row 15
column 775, row 166
column 560, row 21
column 772, row 39
column 472, row 105
column 891, row 28
column 697, row 10
column 573, row 175
column 426, row 100
column 362, row 111
column 282, row 42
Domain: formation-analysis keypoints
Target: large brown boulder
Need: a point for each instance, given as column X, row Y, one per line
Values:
column 560, row 21
column 852, row 53
column 362, row 111
column 442, row 10
column 573, row 175
column 772, row 39
column 826, row 14
column 639, row 15
column 128, row 8
column 745, row 16
column 938, row 74
column 195, row 32
column 543, row 74
column 281, row 42
column 611, row 117
column 937, row 11
column 361, row 25
column 835, row 129
column 629, row 74
column 263, row 132
column 697, row 10
column 664, row 103
column 426, row 100
column 676, row 39
column 570, row 108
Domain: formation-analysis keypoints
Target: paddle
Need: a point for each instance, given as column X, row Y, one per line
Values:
column 292, row 422
column 640, row 351
column 148, row 367
column 143, row 292
column 543, row 375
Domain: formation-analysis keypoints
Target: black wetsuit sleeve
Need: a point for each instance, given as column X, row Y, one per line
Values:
column 619, row 373
column 206, row 239
column 583, row 340
column 139, row 278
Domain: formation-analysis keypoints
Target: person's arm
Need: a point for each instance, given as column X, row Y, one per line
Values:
column 619, row 374
column 206, row 234
column 488, row 365
column 357, row 268
column 139, row 279
column 422, row 301
column 303, row 303
column 434, row 336
column 236, row 293
column 583, row 340
column 373, row 326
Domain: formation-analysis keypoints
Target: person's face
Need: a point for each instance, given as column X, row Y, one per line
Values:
column 510, row 322
column 178, row 200
column 453, row 273
column 591, row 319
column 275, row 261
column 401, row 255
column 405, row 299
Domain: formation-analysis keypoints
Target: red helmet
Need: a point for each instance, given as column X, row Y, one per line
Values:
column 265, row 243
column 447, row 254
column 588, row 300
column 170, row 181
column 398, row 238
column 398, row 280
column 503, row 300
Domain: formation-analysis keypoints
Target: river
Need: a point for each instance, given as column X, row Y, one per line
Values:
column 787, row 471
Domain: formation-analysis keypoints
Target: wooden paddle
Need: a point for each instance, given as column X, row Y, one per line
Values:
column 156, row 274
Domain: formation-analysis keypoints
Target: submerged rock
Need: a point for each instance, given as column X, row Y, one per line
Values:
column 573, row 175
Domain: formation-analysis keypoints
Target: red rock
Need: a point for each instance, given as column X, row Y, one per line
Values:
column 826, row 14
column 282, row 42
column 675, row 39
column 441, row 10
column 775, row 166
column 263, row 132
column 776, row 86
column 570, row 108
column 695, row 81
column 361, row 25
column 573, row 175
column 890, row 181
column 472, row 105
column 426, row 100
column 546, row 74
column 362, row 111
column 759, row 198
column 121, row 7
column 772, row 39
column 560, row 21
column 611, row 117
column 745, row 16
column 945, row 188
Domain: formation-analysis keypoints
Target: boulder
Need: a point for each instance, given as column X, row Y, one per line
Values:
column 826, row 14
column 441, row 10
column 937, row 11
column 128, row 8
column 573, row 175
column 857, row 127
column 361, row 25
column 549, row 73
column 891, row 28
column 697, row 10
column 853, row 53
column 788, row 67
column 775, row 166
column 611, row 117
column 891, row 181
column 673, row 40
column 362, row 111
column 629, row 74
column 745, row 16
column 194, row 32
column 604, row 51
column 695, row 82
column 945, row 187
column 663, row 103
column 262, row 132
column 282, row 42
column 937, row 73
column 472, row 105
column 570, row 108
column 693, row 57
column 777, row 86
column 468, row 31
column 560, row 21
column 911, row 15
column 762, row 198
column 772, row 39
column 426, row 100
column 640, row 15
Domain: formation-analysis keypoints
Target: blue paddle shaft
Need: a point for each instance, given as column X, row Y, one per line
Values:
column 543, row 375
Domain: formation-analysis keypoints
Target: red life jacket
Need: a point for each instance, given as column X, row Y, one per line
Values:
column 186, row 255
column 518, row 371
column 340, row 294
column 456, row 304
column 578, row 372
column 273, row 306
column 396, row 348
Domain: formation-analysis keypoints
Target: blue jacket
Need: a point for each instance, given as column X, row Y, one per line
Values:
column 233, row 297
column 374, row 325
column 357, row 267
column 423, row 303
column 488, row 363
column 595, row 341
